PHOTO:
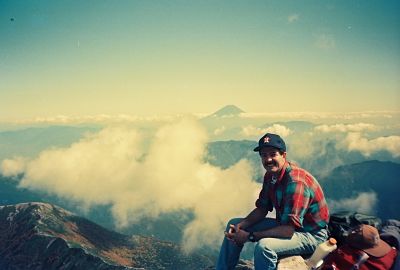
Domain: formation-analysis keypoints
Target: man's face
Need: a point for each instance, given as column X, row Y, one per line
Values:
column 272, row 160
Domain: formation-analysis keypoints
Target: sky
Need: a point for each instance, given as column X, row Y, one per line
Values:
column 76, row 58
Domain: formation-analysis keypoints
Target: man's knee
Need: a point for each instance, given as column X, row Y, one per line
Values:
column 233, row 221
column 264, row 246
column 264, row 254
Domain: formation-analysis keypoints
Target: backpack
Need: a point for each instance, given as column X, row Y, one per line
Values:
column 391, row 234
column 347, row 258
column 341, row 222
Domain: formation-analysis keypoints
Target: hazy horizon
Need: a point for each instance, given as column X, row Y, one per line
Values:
column 323, row 117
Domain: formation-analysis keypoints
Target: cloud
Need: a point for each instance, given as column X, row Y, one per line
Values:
column 13, row 167
column 89, row 170
column 112, row 167
column 251, row 131
column 355, row 142
column 358, row 127
column 219, row 130
column 98, row 119
column 107, row 119
column 364, row 202
column 325, row 115
column 293, row 17
column 303, row 146
column 325, row 42
column 213, row 210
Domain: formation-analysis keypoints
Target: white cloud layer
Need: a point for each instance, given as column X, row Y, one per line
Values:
column 357, row 127
column 13, row 167
column 355, row 142
column 219, row 130
column 110, row 167
column 95, row 119
column 252, row 131
column 364, row 202
column 232, row 195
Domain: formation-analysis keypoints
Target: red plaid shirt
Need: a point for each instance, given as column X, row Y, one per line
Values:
column 297, row 198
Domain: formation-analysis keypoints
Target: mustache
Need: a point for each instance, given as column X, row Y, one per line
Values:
column 270, row 163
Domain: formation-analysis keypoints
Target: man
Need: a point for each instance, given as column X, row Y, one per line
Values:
column 301, row 213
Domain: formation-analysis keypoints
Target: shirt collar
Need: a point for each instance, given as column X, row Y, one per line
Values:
column 272, row 178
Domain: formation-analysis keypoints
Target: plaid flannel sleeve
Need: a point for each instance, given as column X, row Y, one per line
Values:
column 295, row 203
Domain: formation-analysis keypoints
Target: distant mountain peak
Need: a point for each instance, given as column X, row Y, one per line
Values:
column 228, row 111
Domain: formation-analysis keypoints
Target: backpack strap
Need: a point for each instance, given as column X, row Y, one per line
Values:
column 363, row 257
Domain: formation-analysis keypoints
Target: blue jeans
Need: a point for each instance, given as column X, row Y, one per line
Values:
column 267, row 250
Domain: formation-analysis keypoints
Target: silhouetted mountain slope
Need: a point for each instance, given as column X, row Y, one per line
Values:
column 43, row 236
column 225, row 124
column 10, row 194
column 227, row 111
column 30, row 141
column 226, row 153
column 383, row 178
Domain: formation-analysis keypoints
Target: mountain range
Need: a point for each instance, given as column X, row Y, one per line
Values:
column 44, row 236
column 343, row 174
column 31, row 141
column 381, row 178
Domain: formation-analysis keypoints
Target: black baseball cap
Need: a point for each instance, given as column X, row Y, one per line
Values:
column 271, row 140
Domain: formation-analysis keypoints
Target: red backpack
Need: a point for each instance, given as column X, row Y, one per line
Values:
column 347, row 258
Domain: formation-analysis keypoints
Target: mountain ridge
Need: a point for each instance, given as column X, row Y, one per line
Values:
column 371, row 176
column 43, row 236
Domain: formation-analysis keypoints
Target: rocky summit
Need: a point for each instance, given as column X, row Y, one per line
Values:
column 44, row 236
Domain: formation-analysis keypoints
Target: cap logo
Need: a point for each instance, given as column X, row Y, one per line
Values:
column 266, row 140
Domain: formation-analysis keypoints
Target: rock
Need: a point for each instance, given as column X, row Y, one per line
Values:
column 244, row 265
column 37, row 236
column 292, row 262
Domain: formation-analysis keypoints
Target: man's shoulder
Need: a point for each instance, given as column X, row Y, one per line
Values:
column 295, row 170
column 296, row 174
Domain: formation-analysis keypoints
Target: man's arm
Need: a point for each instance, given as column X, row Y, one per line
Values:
column 281, row 231
column 255, row 216
column 237, row 232
column 240, row 236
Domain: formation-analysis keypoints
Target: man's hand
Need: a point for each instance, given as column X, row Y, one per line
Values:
column 237, row 235
column 230, row 234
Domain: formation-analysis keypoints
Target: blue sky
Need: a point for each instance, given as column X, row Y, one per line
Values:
column 165, row 57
